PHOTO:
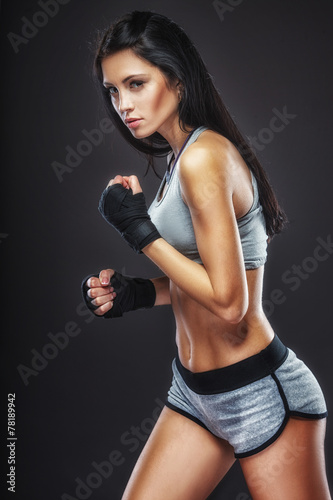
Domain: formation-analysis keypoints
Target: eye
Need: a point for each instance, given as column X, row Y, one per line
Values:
column 136, row 84
column 112, row 90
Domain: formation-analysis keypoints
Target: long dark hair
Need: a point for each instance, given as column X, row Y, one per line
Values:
column 160, row 41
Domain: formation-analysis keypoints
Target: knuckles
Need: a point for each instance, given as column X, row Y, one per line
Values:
column 99, row 291
column 103, row 309
column 97, row 302
column 93, row 282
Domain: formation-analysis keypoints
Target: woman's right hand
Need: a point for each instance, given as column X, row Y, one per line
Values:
column 101, row 292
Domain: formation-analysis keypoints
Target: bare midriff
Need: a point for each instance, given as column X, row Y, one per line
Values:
column 207, row 342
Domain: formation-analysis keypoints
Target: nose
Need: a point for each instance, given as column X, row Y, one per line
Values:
column 125, row 103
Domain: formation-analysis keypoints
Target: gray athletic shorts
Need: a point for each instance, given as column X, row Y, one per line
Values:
column 248, row 403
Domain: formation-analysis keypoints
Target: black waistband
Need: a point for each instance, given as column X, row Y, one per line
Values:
column 238, row 374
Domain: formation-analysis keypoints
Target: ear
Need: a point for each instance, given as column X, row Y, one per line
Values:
column 180, row 88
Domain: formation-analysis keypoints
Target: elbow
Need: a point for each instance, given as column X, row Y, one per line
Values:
column 232, row 312
column 234, row 315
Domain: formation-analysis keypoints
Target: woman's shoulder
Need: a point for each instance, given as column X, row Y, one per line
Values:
column 211, row 136
column 211, row 152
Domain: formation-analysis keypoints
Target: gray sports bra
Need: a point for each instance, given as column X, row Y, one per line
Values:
column 173, row 220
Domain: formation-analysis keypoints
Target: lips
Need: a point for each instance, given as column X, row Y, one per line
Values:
column 129, row 120
column 133, row 122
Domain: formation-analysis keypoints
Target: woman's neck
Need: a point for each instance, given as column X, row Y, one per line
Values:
column 175, row 137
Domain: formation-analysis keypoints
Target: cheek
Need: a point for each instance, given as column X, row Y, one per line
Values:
column 114, row 104
column 163, row 99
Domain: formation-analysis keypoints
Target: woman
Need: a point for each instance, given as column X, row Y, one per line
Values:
column 237, row 391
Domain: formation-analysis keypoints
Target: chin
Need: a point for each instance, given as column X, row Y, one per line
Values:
column 141, row 134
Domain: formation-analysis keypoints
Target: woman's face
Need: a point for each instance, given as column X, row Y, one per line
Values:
column 140, row 94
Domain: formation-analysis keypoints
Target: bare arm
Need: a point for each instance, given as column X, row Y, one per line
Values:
column 162, row 285
column 220, row 284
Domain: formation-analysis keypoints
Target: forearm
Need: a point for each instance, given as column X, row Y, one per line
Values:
column 162, row 287
column 193, row 279
column 189, row 276
column 220, row 285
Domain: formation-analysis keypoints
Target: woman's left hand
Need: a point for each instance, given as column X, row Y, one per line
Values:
column 128, row 182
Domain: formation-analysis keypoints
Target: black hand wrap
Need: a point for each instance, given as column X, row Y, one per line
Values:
column 128, row 214
column 132, row 294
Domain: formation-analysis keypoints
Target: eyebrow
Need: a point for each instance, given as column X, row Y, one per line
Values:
column 126, row 79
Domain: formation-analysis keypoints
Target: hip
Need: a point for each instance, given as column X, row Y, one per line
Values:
column 249, row 403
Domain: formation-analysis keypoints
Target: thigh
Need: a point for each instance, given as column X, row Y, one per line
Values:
column 292, row 467
column 180, row 461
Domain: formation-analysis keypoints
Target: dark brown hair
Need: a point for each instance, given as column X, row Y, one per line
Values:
column 161, row 42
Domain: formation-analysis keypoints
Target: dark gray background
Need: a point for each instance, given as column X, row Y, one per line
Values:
column 264, row 55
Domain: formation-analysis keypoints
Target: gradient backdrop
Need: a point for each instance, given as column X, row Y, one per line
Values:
column 88, row 390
